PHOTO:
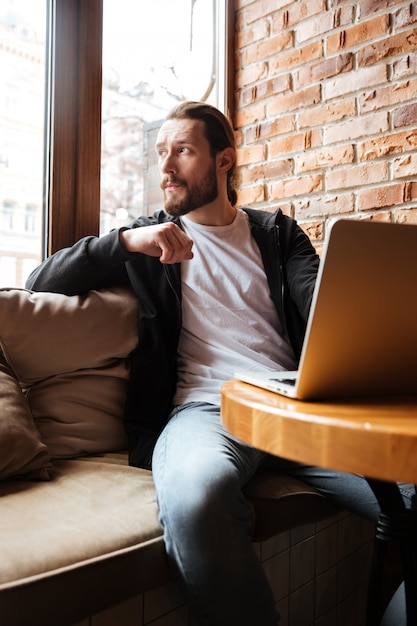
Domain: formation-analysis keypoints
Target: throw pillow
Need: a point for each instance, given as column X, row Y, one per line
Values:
column 71, row 354
column 22, row 453
column 81, row 412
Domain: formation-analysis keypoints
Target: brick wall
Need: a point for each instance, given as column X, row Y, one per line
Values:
column 326, row 109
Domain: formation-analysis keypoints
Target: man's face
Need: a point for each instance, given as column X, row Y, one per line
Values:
column 188, row 171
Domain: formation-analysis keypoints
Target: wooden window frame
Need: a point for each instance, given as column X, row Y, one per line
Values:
column 72, row 187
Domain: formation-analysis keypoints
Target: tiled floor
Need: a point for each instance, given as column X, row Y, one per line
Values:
column 318, row 573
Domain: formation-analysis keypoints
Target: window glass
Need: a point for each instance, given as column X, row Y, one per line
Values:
column 22, row 99
column 155, row 54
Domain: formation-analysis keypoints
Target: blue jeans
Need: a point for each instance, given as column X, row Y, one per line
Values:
column 199, row 471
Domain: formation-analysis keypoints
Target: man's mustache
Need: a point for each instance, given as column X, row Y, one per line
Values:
column 169, row 180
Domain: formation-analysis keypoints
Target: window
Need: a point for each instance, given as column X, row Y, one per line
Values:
column 22, row 88
column 8, row 216
column 31, row 216
column 68, row 66
column 149, row 65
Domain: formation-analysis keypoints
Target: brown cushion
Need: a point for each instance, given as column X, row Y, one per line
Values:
column 80, row 412
column 91, row 509
column 22, row 453
column 72, row 353
column 45, row 334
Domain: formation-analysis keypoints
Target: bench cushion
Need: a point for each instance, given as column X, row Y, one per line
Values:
column 82, row 541
column 91, row 507
column 71, row 356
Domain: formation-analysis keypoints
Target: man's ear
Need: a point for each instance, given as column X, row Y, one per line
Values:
column 226, row 159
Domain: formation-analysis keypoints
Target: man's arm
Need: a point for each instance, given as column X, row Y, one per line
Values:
column 91, row 263
column 166, row 241
column 94, row 263
column 301, row 265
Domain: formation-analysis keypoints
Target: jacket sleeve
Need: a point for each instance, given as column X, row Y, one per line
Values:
column 301, row 267
column 91, row 263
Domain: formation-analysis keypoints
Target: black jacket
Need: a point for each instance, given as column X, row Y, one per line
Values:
column 291, row 265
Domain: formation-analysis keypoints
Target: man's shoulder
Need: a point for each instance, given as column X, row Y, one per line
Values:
column 158, row 217
column 265, row 218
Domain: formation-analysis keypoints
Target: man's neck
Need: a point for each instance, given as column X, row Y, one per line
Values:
column 214, row 214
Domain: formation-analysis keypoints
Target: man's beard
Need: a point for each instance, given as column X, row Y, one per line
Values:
column 200, row 194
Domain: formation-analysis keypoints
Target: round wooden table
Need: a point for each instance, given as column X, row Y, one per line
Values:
column 375, row 437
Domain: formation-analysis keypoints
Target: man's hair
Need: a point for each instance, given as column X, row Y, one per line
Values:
column 217, row 130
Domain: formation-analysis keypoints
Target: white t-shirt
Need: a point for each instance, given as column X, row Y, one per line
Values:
column 229, row 320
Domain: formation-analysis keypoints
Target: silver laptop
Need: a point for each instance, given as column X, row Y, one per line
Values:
column 361, row 337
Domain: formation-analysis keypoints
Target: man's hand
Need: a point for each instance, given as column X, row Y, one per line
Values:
column 166, row 241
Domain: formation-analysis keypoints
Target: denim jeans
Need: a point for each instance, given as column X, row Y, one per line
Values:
column 199, row 471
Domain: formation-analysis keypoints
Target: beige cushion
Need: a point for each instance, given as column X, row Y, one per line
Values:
column 80, row 412
column 90, row 509
column 22, row 453
column 72, row 354
column 45, row 334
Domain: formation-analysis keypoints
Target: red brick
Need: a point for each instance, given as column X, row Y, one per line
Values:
column 327, row 113
column 357, row 176
column 372, row 124
column 352, row 37
column 261, row 8
column 256, row 32
column 249, row 115
column 267, row 170
column 330, row 205
column 387, row 96
column 405, row 16
column 388, row 47
column 294, row 143
column 373, row 6
column 380, row 216
column 405, row 166
column 344, row 16
column 405, row 66
column 406, row 216
column 324, row 69
column 388, row 144
column 251, row 195
column 252, row 74
column 294, row 100
column 299, row 11
column 324, row 157
column 267, row 48
column 383, row 196
column 405, row 115
column 254, row 154
column 291, row 187
column 266, row 89
column 315, row 230
column 266, row 130
column 278, row 22
column 315, row 26
column 352, row 82
column 287, row 60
